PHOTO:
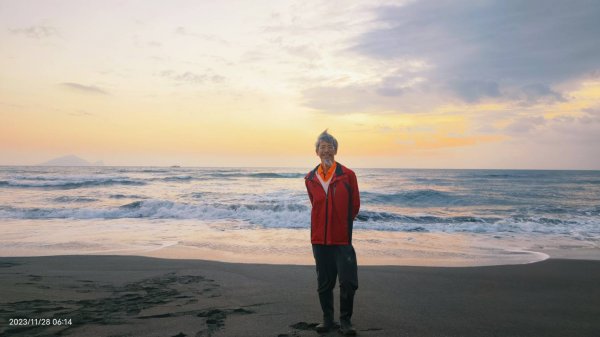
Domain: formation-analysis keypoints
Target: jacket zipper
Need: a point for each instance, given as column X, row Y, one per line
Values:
column 331, row 185
column 326, row 214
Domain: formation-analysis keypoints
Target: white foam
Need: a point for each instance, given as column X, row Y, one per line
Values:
column 293, row 211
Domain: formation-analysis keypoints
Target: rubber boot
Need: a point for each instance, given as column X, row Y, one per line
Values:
column 326, row 299
column 346, row 309
column 347, row 329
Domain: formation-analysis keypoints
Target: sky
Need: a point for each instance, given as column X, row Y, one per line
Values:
column 408, row 84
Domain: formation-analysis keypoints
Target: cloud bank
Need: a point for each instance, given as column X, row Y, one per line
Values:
column 493, row 50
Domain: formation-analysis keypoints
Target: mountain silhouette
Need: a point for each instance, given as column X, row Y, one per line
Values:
column 70, row 160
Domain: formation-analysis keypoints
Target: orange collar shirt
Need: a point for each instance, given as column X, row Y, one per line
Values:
column 327, row 176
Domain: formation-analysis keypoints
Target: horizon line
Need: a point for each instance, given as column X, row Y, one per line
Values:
column 281, row 167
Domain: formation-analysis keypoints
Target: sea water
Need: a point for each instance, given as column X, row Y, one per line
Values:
column 407, row 216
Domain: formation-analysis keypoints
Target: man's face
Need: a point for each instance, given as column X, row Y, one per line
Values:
column 326, row 152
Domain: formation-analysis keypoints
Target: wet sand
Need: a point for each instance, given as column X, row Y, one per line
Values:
column 142, row 296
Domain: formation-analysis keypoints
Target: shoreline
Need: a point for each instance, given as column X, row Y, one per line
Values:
column 179, row 252
column 227, row 242
column 122, row 295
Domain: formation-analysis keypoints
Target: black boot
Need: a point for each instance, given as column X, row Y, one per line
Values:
column 346, row 328
column 326, row 299
column 346, row 308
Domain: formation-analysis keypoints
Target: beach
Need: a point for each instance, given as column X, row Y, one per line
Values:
column 141, row 296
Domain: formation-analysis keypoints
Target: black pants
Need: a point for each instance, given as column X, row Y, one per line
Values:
column 334, row 261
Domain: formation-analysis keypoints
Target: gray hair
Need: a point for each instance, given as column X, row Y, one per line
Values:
column 326, row 137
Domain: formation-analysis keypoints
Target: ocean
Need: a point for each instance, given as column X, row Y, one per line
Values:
column 407, row 216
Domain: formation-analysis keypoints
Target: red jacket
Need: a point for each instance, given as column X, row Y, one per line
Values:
column 332, row 214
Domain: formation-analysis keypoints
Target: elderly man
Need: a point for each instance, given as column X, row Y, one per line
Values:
column 333, row 192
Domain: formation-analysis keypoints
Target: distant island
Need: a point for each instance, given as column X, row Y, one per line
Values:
column 70, row 160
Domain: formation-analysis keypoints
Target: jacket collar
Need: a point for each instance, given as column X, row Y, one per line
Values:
column 338, row 172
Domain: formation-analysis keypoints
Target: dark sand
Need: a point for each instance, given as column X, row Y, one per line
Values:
column 139, row 296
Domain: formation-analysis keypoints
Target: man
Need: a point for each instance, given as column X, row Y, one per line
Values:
column 333, row 192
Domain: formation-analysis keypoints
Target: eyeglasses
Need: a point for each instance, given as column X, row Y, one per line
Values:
column 326, row 147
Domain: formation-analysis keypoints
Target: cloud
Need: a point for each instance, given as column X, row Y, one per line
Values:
column 536, row 93
column 591, row 116
column 474, row 90
column 208, row 37
column 388, row 94
column 334, row 100
column 35, row 32
column 84, row 88
column 306, row 51
column 193, row 78
column 81, row 113
column 515, row 50
column 360, row 98
column 12, row 105
column 525, row 125
column 570, row 131
column 391, row 86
